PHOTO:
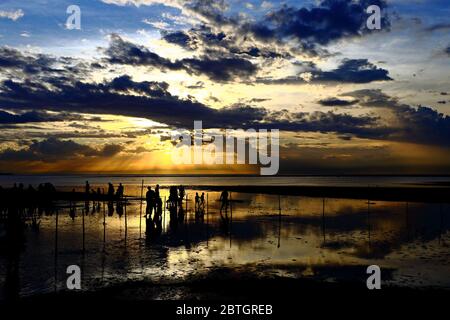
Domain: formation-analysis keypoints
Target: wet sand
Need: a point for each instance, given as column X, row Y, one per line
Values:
column 306, row 244
column 429, row 194
column 288, row 299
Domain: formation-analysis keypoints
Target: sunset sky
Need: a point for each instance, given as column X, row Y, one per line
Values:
column 106, row 98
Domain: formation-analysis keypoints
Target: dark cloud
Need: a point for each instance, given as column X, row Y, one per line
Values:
column 124, row 52
column 329, row 122
column 218, row 44
column 109, row 150
column 150, row 88
column 219, row 69
column 349, row 71
column 15, row 64
column 373, row 98
column 256, row 52
column 118, row 97
column 110, row 98
column 212, row 11
column 197, row 37
column 36, row 116
column 447, row 50
column 336, row 102
column 354, row 71
column 180, row 38
column 306, row 28
column 329, row 21
column 425, row 125
column 417, row 124
column 53, row 149
column 31, row 64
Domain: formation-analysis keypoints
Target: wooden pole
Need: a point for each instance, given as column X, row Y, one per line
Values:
column 231, row 217
column 368, row 219
column 407, row 219
column 323, row 219
column 279, row 221
column 126, row 223
column 140, row 214
column 186, row 214
column 441, row 227
column 207, row 220
column 104, row 226
column 164, row 215
column 83, row 233
column 231, row 208
column 56, row 251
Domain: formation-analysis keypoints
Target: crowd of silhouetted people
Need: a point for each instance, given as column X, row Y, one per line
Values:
column 155, row 207
column 19, row 205
column 19, row 202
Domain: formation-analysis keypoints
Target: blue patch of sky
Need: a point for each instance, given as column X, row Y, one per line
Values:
column 44, row 21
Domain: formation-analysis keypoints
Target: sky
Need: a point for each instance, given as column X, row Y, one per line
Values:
column 107, row 97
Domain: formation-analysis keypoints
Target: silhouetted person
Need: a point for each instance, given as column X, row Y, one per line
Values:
column 157, row 191
column 200, row 211
column 197, row 202
column 110, row 191
column 158, row 205
column 173, row 197
column 150, row 199
column 224, row 200
column 181, row 195
column 87, row 188
column 202, row 201
column 158, row 210
column 120, row 191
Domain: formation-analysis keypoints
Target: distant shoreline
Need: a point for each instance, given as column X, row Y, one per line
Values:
column 113, row 175
column 436, row 194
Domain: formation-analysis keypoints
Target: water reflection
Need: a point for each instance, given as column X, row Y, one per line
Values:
column 290, row 236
